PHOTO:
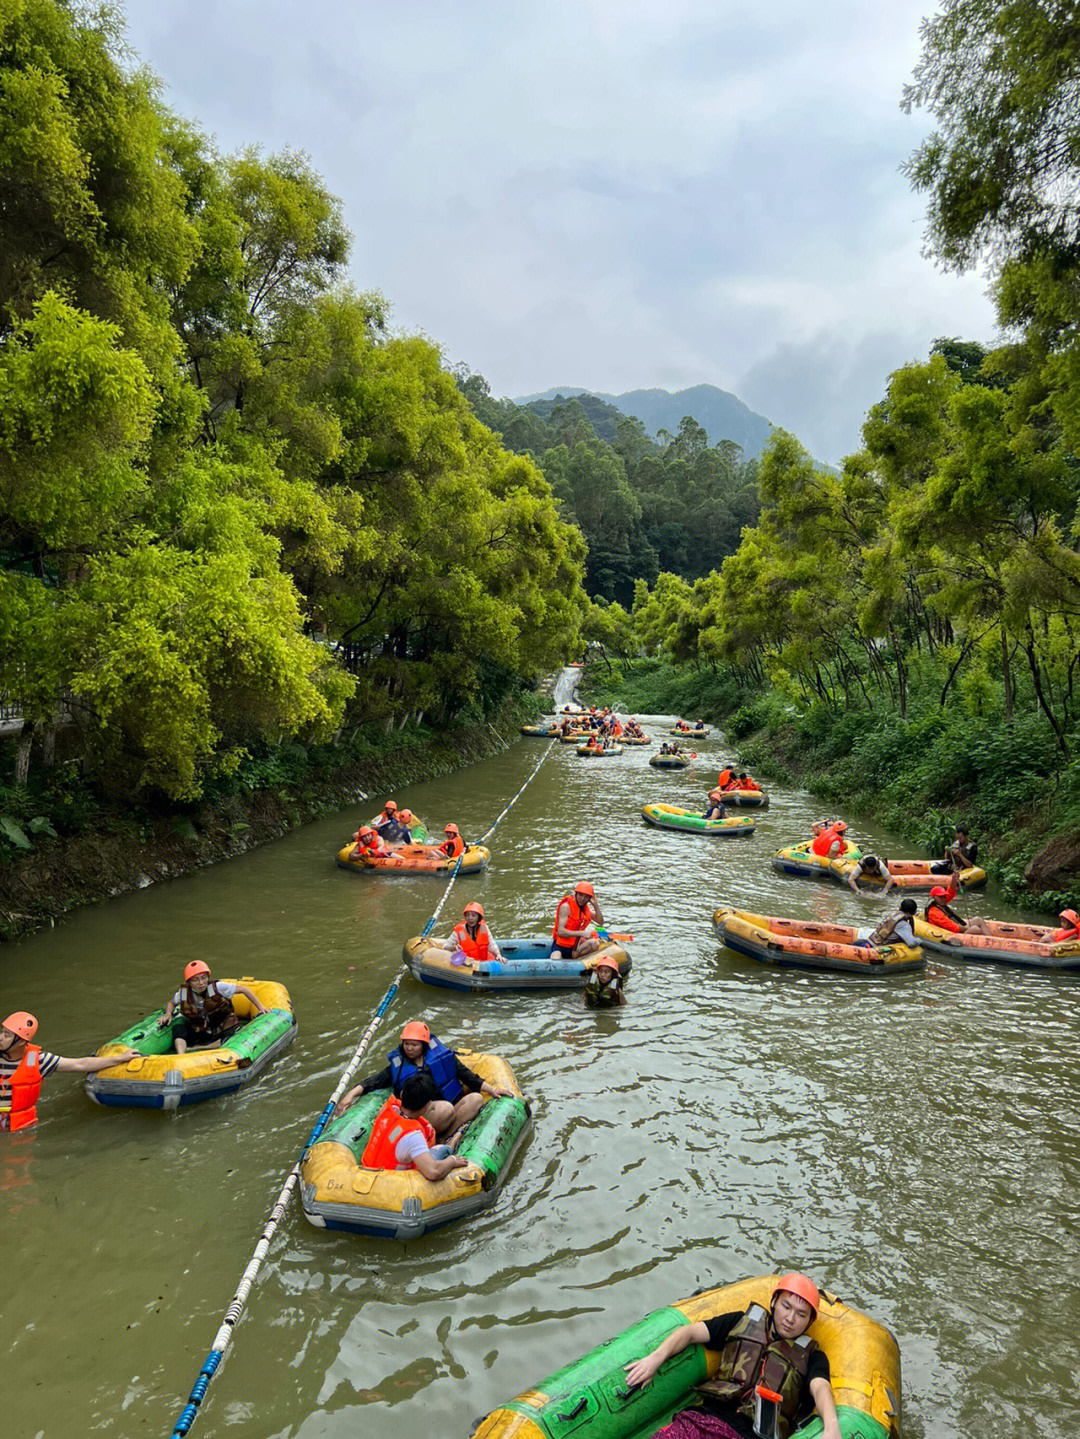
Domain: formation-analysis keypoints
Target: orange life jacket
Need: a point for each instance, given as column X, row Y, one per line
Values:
column 19, row 1091
column 724, row 777
column 453, row 847
column 823, row 842
column 579, row 918
column 749, row 784
column 475, row 948
column 943, row 917
column 1060, row 935
column 388, row 1128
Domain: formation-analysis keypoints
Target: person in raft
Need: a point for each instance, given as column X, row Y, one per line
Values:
column 962, row 854
column 871, row 864
column 206, row 1007
column 388, row 815
column 24, row 1064
column 394, row 830
column 401, row 1138
column 714, row 805
column 896, row 929
column 605, row 987
column 369, row 843
column 459, row 1092
column 471, row 936
column 453, row 845
column 939, row 911
column 576, row 918
column 760, row 1350
column 828, row 840
column 1069, row 929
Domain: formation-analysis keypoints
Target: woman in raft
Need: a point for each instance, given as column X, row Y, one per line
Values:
column 759, row 1351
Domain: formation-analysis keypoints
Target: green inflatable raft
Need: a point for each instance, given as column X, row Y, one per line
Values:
column 688, row 821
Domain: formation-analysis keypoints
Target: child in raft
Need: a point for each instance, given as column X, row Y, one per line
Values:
column 759, row 1350
column 605, row 987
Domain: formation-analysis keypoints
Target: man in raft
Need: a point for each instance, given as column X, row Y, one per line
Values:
column 760, row 1350
column 471, row 936
column 458, row 1092
column 874, row 865
column 577, row 916
column 896, row 929
column 23, row 1065
column 401, row 1138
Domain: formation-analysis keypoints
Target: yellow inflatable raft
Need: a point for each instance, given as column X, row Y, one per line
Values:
column 416, row 859
column 337, row 1192
column 591, row 1396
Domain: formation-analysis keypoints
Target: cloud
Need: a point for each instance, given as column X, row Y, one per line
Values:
column 609, row 193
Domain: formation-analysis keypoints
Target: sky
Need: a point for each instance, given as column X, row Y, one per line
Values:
column 612, row 194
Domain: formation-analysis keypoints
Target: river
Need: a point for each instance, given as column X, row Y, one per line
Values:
column 914, row 1144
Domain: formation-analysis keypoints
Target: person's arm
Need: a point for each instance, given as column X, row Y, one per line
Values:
column 93, row 1062
column 260, row 1008
column 432, row 1168
column 825, row 1404
column 641, row 1371
column 382, row 1080
column 166, row 1018
column 853, row 879
column 890, row 880
column 598, row 914
column 621, row 994
column 470, row 1080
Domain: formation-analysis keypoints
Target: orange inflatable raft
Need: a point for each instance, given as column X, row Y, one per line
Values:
column 806, row 944
column 416, row 859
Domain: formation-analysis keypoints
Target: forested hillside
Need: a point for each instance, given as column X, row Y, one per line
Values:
column 644, row 506
column 234, row 509
column 907, row 632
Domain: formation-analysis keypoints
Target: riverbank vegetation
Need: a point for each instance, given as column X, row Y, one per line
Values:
column 904, row 635
column 237, row 511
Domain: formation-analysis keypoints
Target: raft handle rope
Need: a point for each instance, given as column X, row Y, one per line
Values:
column 190, row 1411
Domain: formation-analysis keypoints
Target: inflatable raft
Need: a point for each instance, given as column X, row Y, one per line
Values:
column 539, row 731
column 634, row 739
column 690, row 733
column 338, row 1193
column 588, row 751
column 746, row 798
column 906, row 873
column 590, row 1396
column 1021, row 944
column 805, row 944
column 161, row 1079
column 416, row 859
column 526, row 964
column 575, row 736
column 669, row 761
column 800, row 859
column 688, row 821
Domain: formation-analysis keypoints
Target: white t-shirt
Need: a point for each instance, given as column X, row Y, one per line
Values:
column 902, row 929
column 223, row 987
column 409, row 1146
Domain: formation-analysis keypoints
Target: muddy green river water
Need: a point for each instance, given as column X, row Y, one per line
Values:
column 913, row 1143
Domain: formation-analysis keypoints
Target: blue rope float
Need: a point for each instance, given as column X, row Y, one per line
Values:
column 233, row 1313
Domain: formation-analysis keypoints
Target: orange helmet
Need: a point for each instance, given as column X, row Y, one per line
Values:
column 197, row 966
column 390, row 805
column 798, row 1284
column 364, row 832
column 416, row 1029
column 450, row 829
column 584, row 888
column 22, row 1024
column 405, row 815
column 840, row 827
column 473, row 908
column 1071, row 915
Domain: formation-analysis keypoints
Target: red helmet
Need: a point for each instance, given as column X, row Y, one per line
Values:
column 22, row 1024
column 473, row 908
column 938, row 892
column 584, row 888
column 197, row 966
column 450, row 829
column 390, row 805
column 416, row 1029
column 798, row 1284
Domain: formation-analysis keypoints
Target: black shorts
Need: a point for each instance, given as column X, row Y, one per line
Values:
column 199, row 1038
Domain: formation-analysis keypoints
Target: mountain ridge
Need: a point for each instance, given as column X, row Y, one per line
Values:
column 721, row 414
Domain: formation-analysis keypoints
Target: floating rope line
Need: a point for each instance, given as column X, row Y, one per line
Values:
column 190, row 1411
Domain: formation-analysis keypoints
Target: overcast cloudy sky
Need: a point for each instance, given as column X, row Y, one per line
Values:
column 606, row 193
